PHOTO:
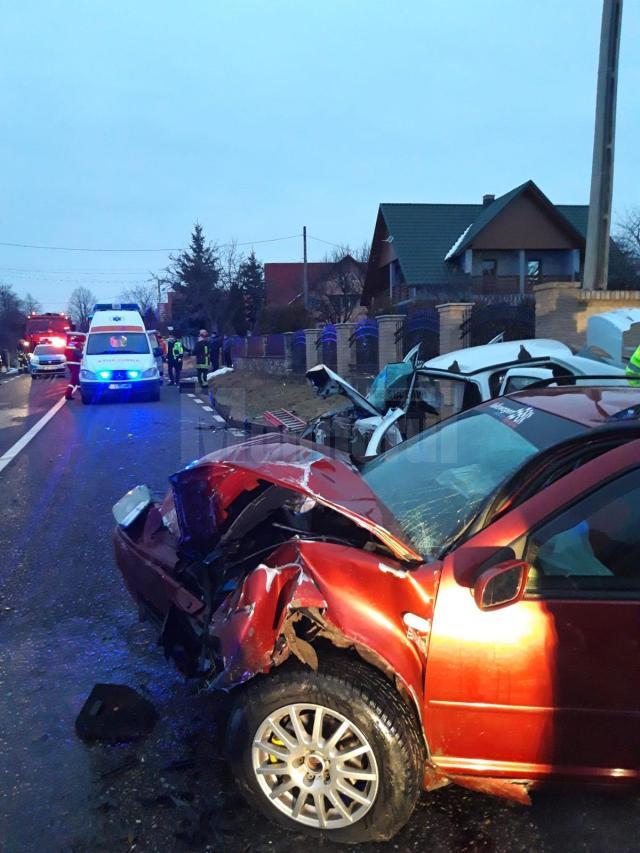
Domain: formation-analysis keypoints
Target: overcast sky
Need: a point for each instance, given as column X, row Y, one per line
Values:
column 124, row 122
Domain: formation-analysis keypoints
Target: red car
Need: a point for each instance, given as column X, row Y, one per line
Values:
column 465, row 609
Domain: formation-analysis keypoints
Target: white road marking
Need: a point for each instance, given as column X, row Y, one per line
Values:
column 191, row 395
column 207, row 408
column 219, row 419
column 13, row 451
column 200, row 402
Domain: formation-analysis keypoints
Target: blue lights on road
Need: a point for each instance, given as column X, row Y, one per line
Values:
column 104, row 374
column 133, row 374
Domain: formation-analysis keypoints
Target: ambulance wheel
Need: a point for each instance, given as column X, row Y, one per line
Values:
column 87, row 399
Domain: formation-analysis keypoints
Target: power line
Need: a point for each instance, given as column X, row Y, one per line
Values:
column 72, row 272
column 320, row 240
column 164, row 251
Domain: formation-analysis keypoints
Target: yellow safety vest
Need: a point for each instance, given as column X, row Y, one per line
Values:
column 633, row 368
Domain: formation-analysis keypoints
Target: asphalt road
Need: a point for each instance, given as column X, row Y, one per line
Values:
column 66, row 623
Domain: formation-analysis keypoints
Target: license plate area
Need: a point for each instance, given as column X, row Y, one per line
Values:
column 115, row 386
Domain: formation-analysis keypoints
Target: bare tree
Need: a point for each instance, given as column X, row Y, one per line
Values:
column 145, row 294
column 336, row 296
column 31, row 305
column 230, row 260
column 624, row 259
column 80, row 305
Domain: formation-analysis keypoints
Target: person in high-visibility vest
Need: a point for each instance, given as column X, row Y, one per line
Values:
column 175, row 354
column 633, row 368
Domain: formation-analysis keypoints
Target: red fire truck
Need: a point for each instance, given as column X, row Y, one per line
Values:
column 46, row 329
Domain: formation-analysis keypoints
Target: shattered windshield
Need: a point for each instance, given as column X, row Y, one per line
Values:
column 391, row 386
column 437, row 482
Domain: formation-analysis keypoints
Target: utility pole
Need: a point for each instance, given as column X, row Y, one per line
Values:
column 305, row 277
column 596, row 264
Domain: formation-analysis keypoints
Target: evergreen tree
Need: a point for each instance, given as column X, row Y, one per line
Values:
column 194, row 276
column 251, row 285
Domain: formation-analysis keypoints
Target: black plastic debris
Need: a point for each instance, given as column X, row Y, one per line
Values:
column 115, row 713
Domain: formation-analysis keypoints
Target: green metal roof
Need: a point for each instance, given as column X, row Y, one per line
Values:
column 423, row 234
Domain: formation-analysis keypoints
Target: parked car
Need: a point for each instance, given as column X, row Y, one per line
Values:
column 47, row 360
column 409, row 396
column 465, row 609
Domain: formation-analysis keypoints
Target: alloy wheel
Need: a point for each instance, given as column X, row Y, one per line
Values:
column 315, row 766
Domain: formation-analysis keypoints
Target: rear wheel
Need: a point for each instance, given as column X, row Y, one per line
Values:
column 334, row 753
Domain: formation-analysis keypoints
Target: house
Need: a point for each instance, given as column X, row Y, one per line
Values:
column 335, row 288
column 503, row 245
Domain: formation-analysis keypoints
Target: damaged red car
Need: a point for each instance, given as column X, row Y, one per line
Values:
column 464, row 609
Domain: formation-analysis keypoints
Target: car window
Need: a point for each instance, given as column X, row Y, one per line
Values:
column 517, row 383
column 45, row 350
column 441, row 397
column 594, row 545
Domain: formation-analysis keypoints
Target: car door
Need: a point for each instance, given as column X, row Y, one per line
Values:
column 549, row 685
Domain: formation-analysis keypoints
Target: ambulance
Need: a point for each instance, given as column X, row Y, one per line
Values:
column 118, row 359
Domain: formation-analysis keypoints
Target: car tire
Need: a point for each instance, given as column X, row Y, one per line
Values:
column 376, row 716
column 87, row 399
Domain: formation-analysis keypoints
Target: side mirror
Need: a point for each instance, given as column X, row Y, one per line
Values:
column 501, row 585
column 157, row 352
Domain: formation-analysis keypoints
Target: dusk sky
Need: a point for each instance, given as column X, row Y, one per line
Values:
column 123, row 123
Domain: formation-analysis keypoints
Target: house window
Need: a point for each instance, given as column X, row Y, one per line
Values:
column 489, row 267
column 534, row 269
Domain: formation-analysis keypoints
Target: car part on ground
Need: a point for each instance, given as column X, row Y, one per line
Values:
column 269, row 561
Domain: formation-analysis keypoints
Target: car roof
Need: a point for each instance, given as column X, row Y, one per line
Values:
column 473, row 359
column 588, row 405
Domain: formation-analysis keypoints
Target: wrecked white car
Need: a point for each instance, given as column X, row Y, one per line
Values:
column 408, row 396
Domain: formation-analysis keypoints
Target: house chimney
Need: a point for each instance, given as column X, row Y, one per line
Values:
column 488, row 199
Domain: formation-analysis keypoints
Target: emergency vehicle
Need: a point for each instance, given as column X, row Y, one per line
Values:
column 118, row 358
column 46, row 328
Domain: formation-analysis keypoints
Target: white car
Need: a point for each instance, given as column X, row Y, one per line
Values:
column 409, row 396
column 47, row 360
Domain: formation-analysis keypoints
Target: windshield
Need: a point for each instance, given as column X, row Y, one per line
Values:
column 44, row 350
column 436, row 483
column 391, row 386
column 117, row 343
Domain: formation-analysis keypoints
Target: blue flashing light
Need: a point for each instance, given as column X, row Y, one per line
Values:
column 133, row 374
column 104, row 374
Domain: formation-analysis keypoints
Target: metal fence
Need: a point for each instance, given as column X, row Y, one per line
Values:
column 274, row 346
column 299, row 352
column 364, row 342
column 512, row 319
column 421, row 327
column 327, row 346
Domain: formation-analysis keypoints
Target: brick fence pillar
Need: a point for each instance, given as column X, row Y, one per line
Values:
column 311, row 341
column 389, row 349
column 288, row 351
column 558, row 307
column 452, row 315
column 343, row 347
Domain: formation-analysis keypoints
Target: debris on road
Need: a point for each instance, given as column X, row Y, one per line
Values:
column 115, row 713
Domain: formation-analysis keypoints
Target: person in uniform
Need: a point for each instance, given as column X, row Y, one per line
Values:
column 73, row 355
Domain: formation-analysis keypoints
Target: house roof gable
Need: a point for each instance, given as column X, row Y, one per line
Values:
column 425, row 234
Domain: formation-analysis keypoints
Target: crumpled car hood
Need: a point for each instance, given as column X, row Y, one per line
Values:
column 328, row 477
column 326, row 383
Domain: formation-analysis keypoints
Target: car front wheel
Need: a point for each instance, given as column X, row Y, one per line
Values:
column 334, row 753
